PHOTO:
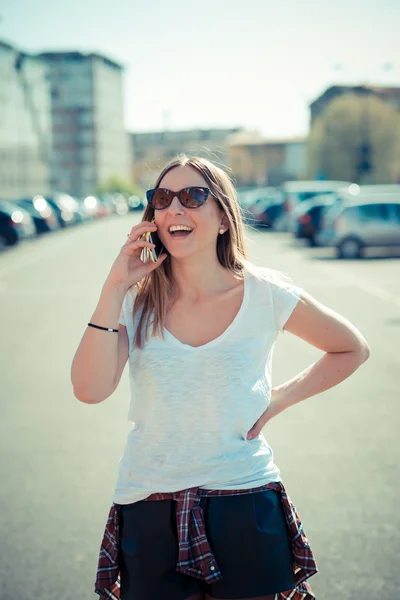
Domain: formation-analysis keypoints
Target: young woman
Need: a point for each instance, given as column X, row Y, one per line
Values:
column 199, row 510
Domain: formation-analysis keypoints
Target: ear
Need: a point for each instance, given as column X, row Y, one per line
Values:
column 224, row 222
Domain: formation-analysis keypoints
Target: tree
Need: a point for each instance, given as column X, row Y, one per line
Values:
column 357, row 138
column 116, row 185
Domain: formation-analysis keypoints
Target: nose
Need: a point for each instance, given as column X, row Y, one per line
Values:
column 175, row 208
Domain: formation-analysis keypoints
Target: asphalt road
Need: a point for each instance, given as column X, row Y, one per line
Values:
column 338, row 452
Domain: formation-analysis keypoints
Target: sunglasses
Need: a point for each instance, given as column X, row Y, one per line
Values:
column 190, row 197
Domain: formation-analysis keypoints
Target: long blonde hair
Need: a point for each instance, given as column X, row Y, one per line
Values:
column 154, row 290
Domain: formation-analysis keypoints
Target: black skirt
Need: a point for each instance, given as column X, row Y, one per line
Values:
column 248, row 534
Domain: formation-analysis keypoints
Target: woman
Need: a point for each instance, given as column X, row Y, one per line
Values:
column 199, row 510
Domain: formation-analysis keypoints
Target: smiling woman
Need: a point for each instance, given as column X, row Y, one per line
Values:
column 199, row 508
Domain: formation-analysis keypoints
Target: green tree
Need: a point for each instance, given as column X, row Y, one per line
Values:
column 116, row 184
column 357, row 138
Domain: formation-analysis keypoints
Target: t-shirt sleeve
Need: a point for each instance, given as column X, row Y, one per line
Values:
column 122, row 316
column 126, row 314
column 285, row 297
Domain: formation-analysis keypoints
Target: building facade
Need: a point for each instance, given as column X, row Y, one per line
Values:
column 25, row 124
column 390, row 95
column 151, row 151
column 90, row 144
column 257, row 161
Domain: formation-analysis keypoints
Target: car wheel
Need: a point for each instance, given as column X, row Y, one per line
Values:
column 349, row 248
column 312, row 242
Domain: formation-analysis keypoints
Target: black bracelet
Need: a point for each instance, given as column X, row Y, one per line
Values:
column 103, row 328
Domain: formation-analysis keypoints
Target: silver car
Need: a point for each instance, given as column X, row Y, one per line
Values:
column 295, row 192
column 369, row 220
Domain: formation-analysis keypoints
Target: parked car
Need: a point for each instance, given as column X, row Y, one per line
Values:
column 249, row 196
column 121, row 205
column 136, row 203
column 308, row 216
column 382, row 188
column 267, row 213
column 89, row 206
column 66, row 209
column 106, row 205
column 296, row 192
column 15, row 224
column 264, row 208
column 42, row 213
column 371, row 220
column 86, row 208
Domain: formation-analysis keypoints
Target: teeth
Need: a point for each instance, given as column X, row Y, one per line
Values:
column 179, row 228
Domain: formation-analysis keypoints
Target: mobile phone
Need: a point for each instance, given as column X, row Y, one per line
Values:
column 154, row 253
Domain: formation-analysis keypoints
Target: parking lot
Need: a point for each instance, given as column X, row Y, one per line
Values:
column 338, row 452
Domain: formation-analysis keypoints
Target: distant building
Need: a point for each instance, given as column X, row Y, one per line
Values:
column 257, row 160
column 390, row 95
column 25, row 124
column 90, row 143
column 151, row 151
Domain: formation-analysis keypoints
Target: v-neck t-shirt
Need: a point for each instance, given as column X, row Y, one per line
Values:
column 192, row 407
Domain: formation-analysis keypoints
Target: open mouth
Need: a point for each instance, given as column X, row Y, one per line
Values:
column 177, row 231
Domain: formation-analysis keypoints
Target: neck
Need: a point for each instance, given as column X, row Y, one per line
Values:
column 196, row 277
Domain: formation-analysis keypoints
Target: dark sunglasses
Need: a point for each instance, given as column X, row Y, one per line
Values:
column 190, row 197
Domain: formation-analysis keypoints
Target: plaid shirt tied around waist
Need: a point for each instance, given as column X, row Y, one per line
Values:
column 195, row 555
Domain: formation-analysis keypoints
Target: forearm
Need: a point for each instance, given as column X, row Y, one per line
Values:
column 95, row 362
column 324, row 374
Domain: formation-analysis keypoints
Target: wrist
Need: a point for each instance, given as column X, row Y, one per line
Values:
column 278, row 402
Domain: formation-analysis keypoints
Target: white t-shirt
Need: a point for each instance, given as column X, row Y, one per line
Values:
column 192, row 407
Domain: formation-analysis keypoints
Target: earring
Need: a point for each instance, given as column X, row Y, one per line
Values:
column 221, row 231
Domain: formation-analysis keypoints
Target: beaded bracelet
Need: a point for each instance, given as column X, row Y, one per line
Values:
column 103, row 328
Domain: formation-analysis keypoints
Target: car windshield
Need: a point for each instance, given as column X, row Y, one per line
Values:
column 308, row 195
column 249, row 197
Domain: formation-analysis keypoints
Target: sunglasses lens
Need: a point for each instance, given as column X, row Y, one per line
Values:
column 159, row 198
column 194, row 197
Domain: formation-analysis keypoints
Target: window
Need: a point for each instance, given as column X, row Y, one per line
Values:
column 395, row 209
column 373, row 212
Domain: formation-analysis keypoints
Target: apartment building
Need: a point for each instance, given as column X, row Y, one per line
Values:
column 89, row 140
column 25, row 124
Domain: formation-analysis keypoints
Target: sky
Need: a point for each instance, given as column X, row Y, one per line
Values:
column 220, row 63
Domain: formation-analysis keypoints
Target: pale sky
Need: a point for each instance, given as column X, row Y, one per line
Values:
column 219, row 63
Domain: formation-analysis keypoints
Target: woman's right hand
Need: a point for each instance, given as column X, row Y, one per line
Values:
column 128, row 269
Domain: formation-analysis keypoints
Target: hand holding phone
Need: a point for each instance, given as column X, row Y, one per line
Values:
column 154, row 253
column 131, row 266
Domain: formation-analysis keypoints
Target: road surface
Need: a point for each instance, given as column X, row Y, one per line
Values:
column 338, row 452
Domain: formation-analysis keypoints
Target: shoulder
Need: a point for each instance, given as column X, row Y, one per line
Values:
column 274, row 281
column 275, row 291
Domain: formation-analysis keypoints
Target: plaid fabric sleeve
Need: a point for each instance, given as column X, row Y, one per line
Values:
column 304, row 565
column 108, row 583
